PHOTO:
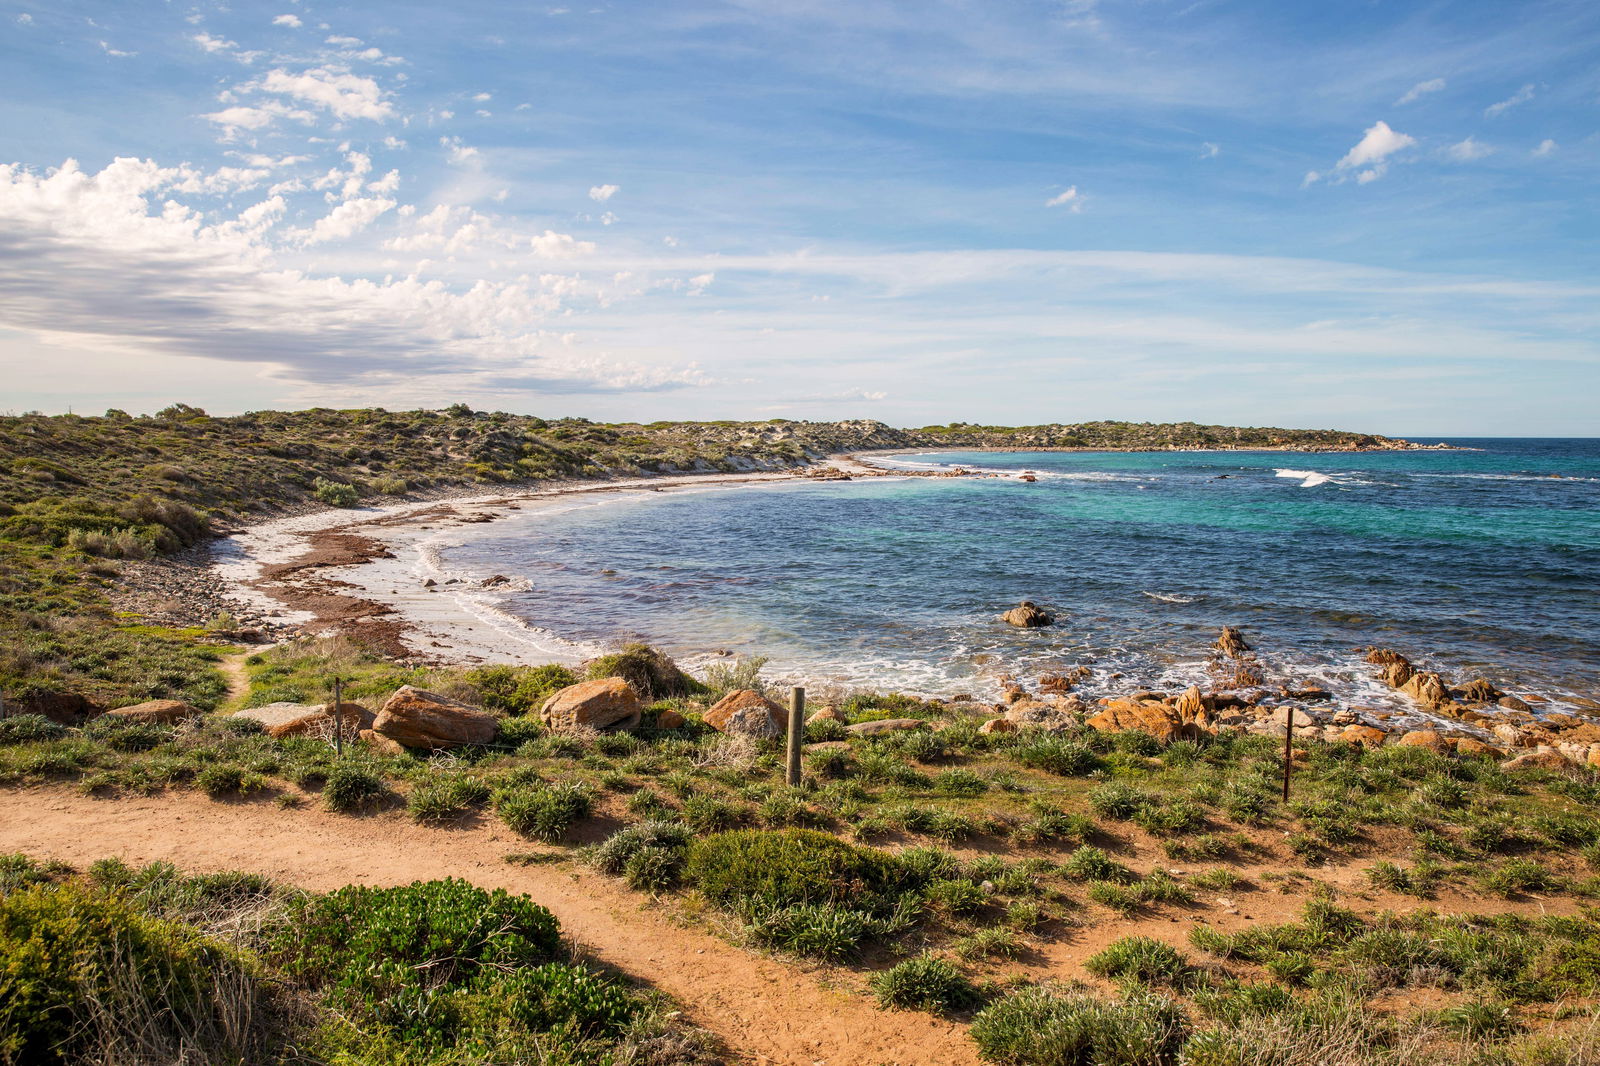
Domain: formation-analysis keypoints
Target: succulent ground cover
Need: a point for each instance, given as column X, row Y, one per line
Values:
column 1146, row 902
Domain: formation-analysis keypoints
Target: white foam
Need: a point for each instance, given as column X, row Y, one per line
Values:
column 1169, row 597
column 1309, row 478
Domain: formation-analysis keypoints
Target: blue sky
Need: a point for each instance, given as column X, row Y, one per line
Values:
column 1379, row 216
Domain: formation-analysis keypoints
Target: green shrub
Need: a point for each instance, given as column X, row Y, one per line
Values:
column 1519, row 876
column 1118, row 800
column 925, row 983
column 818, row 930
column 1139, row 958
column 396, row 956
column 441, row 799
column 1043, row 1027
column 957, row 898
column 542, row 812
column 349, row 788
column 790, row 866
column 83, row 970
column 706, row 813
column 620, row 848
column 997, row 942
column 648, row 671
column 1089, row 863
column 959, row 782
column 336, row 493
column 29, row 728
column 515, row 732
column 228, row 779
column 561, row 998
column 1057, row 755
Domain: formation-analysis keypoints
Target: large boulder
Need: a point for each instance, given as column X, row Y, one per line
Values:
column 164, row 712
column 300, row 719
column 1028, row 615
column 1474, row 746
column 1423, row 738
column 1544, row 759
column 1052, row 717
column 419, row 719
column 1160, row 720
column 1385, row 657
column 1365, row 735
column 748, row 713
column 604, row 703
column 1480, row 691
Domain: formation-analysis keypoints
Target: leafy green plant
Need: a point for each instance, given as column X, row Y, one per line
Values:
column 926, row 983
column 1044, row 1027
column 542, row 812
column 350, row 787
column 1139, row 958
column 789, row 866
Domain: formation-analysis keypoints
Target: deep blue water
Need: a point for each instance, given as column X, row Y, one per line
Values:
column 1474, row 562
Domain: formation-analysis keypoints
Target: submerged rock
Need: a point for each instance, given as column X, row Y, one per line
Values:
column 1028, row 615
column 604, row 703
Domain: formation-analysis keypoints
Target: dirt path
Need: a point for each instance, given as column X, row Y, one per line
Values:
column 231, row 667
column 769, row 1013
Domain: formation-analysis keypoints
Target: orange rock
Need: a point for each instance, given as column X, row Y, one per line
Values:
column 1365, row 735
column 1480, row 691
column 605, row 703
column 998, row 725
column 1473, row 746
column 1385, row 657
column 382, row 743
column 165, row 712
column 831, row 713
column 886, row 725
column 750, row 713
column 1148, row 716
column 1423, row 738
column 1537, row 760
column 299, row 720
column 1028, row 615
column 1428, row 689
column 670, row 719
column 1232, row 643
column 420, row 719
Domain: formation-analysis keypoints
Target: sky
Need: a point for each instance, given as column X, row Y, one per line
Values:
column 1379, row 216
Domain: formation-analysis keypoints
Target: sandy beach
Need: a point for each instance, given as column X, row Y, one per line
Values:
column 377, row 572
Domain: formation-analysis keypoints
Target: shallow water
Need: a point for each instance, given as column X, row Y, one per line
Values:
column 1473, row 562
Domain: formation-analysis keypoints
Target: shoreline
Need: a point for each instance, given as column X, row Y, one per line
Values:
column 377, row 574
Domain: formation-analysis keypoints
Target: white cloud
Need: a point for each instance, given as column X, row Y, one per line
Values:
column 1372, row 152
column 1521, row 96
column 291, row 21
column 459, row 153
column 1546, row 147
column 1210, row 150
column 344, row 221
column 343, row 94
column 481, row 97
column 234, row 119
column 1468, row 150
column 25, row 19
column 344, row 42
column 700, row 282
column 602, row 193
column 108, row 50
column 1067, row 198
column 83, row 252
column 1419, row 90
column 213, row 44
column 552, row 245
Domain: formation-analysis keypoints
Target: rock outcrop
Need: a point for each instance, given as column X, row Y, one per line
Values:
column 886, row 725
column 606, row 703
column 164, row 712
column 748, row 713
column 1161, row 720
column 1232, row 643
column 301, row 719
column 1028, row 615
column 419, row 719
column 1429, row 690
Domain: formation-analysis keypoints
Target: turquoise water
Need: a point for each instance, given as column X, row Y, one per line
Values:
column 1474, row 562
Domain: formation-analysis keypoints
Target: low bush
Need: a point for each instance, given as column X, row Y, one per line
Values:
column 790, row 866
column 28, row 729
column 620, row 849
column 1139, row 958
column 647, row 670
column 396, row 956
column 442, row 799
column 336, row 493
column 542, row 812
column 925, row 983
column 818, row 930
column 85, row 972
column 1057, row 755
column 1044, row 1027
column 349, row 787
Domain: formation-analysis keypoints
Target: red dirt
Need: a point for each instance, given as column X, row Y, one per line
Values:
column 769, row 1013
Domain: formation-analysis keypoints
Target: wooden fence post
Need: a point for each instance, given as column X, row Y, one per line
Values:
column 338, row 718
column 797, row 732
column 1288, row 750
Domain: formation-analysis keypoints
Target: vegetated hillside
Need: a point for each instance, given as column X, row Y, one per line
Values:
column 78, row 492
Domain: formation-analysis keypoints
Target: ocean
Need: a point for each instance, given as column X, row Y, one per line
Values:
column 1481, row 562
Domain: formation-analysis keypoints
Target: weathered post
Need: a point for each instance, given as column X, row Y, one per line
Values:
column 1288, row 750
column 2, row 706
column 797, row 732
column 338, row 718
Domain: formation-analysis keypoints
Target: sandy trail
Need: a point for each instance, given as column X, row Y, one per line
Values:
column 767, row 1012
